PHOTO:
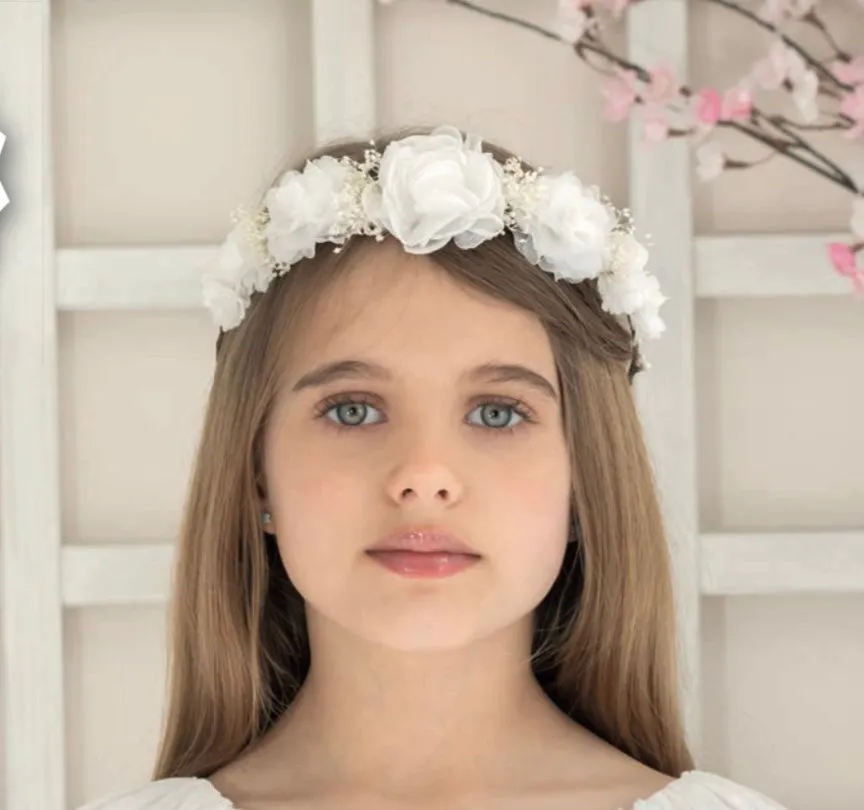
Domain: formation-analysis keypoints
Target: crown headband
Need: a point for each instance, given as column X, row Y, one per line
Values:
column 426, row 190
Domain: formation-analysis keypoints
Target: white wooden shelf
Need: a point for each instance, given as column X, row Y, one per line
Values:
column 782, row 563
column 730, row 565
column 104, row 278
column 761, row 266
column 116, row 574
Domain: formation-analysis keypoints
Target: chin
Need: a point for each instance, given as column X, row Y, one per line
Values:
column 422, row 637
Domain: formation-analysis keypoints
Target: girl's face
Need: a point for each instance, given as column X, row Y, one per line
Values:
column 422, row 431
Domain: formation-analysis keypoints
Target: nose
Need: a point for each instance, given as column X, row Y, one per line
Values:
column 424, row 481
column 430, row 485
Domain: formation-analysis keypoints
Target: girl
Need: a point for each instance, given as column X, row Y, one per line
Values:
column 422, row 562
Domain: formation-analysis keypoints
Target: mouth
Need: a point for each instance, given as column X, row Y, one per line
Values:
column 424, row 554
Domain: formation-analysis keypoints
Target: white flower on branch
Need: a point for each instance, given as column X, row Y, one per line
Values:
column 710, row 161
column 571, row 22
column 804, row 90
column 776, row 11
column 784, row 66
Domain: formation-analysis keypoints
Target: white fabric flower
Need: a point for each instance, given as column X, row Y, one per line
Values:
column 305, row 209
column 238, row 262
column 627, row 289
column 566, row 232
column 624, row 286
column 226, row 303
column 427, row 190
column 647, row 322
column 236, row 274
column 434, row 188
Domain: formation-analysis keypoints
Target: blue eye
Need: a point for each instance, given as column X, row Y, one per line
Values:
column 350, row 413
column 497, row 415
column 354, row 411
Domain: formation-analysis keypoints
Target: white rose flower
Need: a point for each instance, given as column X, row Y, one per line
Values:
column 565, row 233
column 434, row 188
column 305, row 208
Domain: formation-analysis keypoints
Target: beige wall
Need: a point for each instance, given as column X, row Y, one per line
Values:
column 167, row 115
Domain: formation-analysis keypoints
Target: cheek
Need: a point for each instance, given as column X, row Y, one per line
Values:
column 531, row 515
column 322, row 509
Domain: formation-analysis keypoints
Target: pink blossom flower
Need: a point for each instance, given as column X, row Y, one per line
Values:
column 663, row 87
column 709, row 107
column 853, row 106
column 655, row 125
column 843, row 258
column 849, row 72
column 620, row 93
column 737, row 104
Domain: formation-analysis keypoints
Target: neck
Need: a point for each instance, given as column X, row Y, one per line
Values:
column 414, row 723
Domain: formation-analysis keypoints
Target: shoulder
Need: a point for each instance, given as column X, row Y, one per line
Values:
column 177, row 793
column 701, row 790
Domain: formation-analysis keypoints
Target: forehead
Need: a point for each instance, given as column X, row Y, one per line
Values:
column 404, row 310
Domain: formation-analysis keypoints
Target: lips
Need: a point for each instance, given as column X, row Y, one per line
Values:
column 424, row 553
column 424, row 541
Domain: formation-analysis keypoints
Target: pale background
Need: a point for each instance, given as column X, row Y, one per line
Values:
column 169, row 112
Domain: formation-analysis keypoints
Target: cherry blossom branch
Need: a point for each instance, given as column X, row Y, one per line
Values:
column 831, row 172
column 784, row 147
column 509, row 18
column 813, row 19
column 789, row 68
column 787, row 41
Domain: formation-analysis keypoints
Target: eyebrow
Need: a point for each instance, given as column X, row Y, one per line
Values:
column 488, row 372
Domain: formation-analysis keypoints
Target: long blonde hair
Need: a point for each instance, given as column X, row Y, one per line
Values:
column 605, row 638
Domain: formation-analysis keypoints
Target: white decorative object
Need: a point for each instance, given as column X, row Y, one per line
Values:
column 426, row 191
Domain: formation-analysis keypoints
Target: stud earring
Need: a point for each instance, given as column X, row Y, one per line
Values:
column 266, row 518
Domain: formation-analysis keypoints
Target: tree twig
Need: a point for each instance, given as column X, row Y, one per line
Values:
column 788, row 41
column 791, row 147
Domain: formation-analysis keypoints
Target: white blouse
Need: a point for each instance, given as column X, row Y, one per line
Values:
column 695, row 790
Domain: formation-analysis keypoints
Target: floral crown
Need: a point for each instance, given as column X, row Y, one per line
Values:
column 425, row 190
